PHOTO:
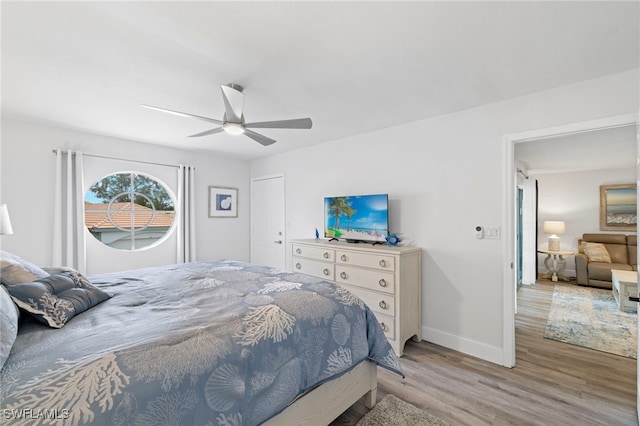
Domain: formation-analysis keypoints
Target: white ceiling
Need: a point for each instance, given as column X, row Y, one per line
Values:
column 353, row 67
column 602, row 149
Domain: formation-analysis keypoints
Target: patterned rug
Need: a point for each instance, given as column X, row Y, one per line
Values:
column 394, row 411
column 589, row 317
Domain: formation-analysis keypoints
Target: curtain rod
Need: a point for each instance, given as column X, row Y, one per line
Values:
column 523, row 174
column 119, row 159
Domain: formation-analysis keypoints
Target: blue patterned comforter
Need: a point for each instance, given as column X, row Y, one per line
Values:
column 207, row 343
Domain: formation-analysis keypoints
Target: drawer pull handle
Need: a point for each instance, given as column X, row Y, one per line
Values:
column 382, row 263
column 325, row 271
column 298, row 251
column 298, row 266
column 343, row 257
column 383, row 304
column 384, row 326
column 382, row 282
column 343, row 275
column 326, row 255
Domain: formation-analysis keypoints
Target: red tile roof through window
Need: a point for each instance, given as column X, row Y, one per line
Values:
column 95, row 216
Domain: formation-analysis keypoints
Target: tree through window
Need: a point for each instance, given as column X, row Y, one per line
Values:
column 129, row 211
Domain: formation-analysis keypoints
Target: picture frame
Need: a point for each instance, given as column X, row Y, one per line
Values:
column 618, row 207
column 223, row 201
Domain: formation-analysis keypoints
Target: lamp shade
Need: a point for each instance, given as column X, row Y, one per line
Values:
column 5, row 222
column 554, row 227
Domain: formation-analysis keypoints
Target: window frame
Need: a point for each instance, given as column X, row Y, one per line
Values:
column 132, row 193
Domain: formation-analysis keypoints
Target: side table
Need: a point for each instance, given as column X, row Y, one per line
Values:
column 559, row 263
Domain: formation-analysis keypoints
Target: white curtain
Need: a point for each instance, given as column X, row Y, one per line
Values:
column 186, row 214
column 529, row 231
column 69, row 245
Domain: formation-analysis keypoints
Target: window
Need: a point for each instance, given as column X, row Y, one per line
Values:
column 129, row 211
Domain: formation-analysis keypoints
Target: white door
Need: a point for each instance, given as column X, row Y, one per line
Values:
column 268, row 242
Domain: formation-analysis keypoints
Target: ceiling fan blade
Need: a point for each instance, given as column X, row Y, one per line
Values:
column 208, row 132
column 261, row 139
column 233, row 102
column 184, row 114
column 297, row 123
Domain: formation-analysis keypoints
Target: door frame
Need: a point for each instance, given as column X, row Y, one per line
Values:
column 509, row 219
column 284, row 209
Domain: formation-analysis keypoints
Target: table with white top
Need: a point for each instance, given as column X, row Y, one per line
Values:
column 559, row 263
column 624, row 285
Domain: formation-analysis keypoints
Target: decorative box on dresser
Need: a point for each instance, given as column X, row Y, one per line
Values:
column 386, row 278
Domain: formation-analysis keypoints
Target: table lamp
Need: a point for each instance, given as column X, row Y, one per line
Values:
column 554, row 227
column 5, row 222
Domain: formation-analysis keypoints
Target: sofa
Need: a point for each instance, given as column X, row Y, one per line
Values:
column 598, row 254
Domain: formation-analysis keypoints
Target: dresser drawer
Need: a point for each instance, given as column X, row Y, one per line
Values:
column 387, row 279
column 367, row 278
column 318, row 253
column 366, row 260
column 378, row 302
column 314, row 267
column 388, row 325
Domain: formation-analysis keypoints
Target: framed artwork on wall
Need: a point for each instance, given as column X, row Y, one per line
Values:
column 618, row 207
column 223, row 202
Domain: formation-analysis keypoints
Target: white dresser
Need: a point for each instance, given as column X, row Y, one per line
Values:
column 386, row 278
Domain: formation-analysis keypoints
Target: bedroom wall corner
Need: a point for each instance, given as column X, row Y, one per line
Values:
column 444, row 175
column 27, row 187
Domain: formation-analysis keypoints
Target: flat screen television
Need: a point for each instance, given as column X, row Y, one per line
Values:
column 357, row 218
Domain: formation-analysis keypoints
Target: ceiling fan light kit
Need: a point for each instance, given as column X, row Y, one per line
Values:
column 233, row 119
column 233, row 128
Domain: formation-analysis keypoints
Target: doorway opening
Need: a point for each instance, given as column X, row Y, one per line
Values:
column 510, row 242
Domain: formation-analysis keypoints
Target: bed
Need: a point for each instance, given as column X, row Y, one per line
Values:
column 206, row 343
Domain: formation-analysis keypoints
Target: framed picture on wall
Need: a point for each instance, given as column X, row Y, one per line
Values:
column 223, row 202
column 619, row 207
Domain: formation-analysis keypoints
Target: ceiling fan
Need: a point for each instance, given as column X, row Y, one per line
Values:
column 233, row 120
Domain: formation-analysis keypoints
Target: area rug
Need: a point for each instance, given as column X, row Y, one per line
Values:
column 589, row 317
column 391, row 410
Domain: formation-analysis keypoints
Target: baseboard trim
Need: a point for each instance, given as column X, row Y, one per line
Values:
column 470, row 347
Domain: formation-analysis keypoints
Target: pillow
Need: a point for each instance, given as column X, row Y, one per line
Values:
column 9, row 315
column 596, row 252
column 76, row 276
column 55, row 299
column 15, row 270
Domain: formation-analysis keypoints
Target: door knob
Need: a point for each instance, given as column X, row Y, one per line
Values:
column 278, row 241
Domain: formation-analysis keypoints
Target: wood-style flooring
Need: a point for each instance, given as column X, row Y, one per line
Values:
column 553, row 383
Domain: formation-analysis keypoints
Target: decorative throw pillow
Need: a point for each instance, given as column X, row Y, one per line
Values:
column 55, row 299
column 76, row 276
column 9, row 316
column 596, row 252
column 15, row 270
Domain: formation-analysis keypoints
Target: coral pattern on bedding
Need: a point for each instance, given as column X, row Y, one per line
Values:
column 208, row 343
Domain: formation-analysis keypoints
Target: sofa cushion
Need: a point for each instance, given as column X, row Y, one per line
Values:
column 632, row 246
column 596, row 252
column 602, row 271
column 605, row 238
column 618, row 253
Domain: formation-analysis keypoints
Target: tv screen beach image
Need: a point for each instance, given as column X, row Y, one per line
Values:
column 359, row 217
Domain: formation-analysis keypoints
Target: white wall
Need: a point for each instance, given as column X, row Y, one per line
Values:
column 575, row 199
column 444, row 176
column 27, row 187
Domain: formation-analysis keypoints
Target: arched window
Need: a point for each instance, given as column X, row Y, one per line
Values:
column 129, row 211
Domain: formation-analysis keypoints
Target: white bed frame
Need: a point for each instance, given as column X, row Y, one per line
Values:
column 323, row 404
